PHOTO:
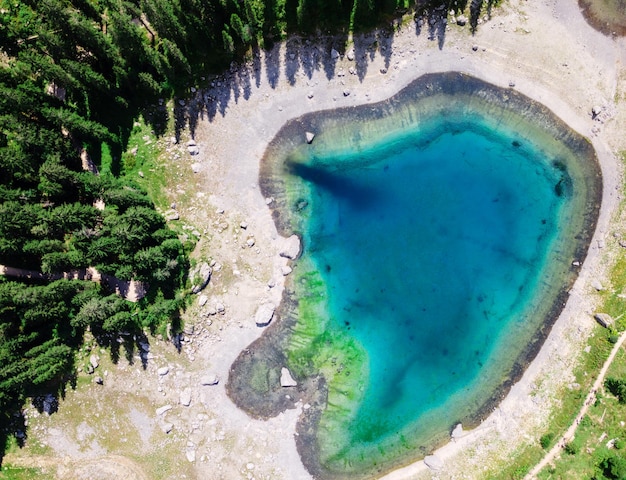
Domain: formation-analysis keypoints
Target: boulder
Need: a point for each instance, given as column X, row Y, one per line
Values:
column 209, row 380
column 286, row 380
column 596, row 110
column 163, row 409
column 461, row 20
column 604, row 319
column 163, row 371
column 597, row 285
column 200, row 276
column 94, row 361
column 202, row 299
column 309, row 137
column 172, row 215
column 193, row 150
column 291, row 248
column 264, row 314
column 433, row 462
column 185, row 397
column 457, row 432
column 286, row 270
column 350, row 55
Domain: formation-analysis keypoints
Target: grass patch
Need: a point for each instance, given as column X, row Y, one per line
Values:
column 9, row 472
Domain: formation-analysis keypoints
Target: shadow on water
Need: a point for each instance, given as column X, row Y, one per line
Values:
column 339, row 186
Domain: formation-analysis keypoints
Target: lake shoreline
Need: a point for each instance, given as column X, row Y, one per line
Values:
column 505, row 56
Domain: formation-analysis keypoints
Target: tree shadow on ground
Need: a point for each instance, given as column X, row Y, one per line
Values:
column 297, row 60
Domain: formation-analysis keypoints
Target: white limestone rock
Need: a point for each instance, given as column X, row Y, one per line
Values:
column 286, row 380
column 433, row 462
column 291, row 248
column 264, row 314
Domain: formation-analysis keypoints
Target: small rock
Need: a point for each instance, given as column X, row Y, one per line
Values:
column 250, row 242
column 185, row 397
column 286, row 380
column 163, row 409
column 334, row 54
column 244, row 225
column 191, row 455
column 191, row 143
column 457, row 432
column 209, row 380
column 196, row 167
column 264, row 314
column 98, row 380
column 346, row 93
column 271, row 283
column 140, row 173
column 511, row 83
column 166, row 427
column 163, row 371
column 310, row 95
column 433, row 462
column 475, row 48
column 309, row 137
column 220, row 307
column 601, row 243
column 286, row 270
column 291, row 248
column 350, row 55
column 461, row 20
column 202, row 299
column 383, row 70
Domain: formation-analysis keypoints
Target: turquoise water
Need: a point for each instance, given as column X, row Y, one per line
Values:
column 429, row 250
column 442, row 230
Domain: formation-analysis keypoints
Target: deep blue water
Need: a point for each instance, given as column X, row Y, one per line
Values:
column 429, row 251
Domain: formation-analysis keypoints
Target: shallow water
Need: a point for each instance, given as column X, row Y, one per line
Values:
column 608, row 16
column 441, row 232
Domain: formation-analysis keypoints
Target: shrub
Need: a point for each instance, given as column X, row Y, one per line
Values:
column 546, row 440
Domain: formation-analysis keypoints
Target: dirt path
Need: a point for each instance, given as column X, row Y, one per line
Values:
column 569, row 434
